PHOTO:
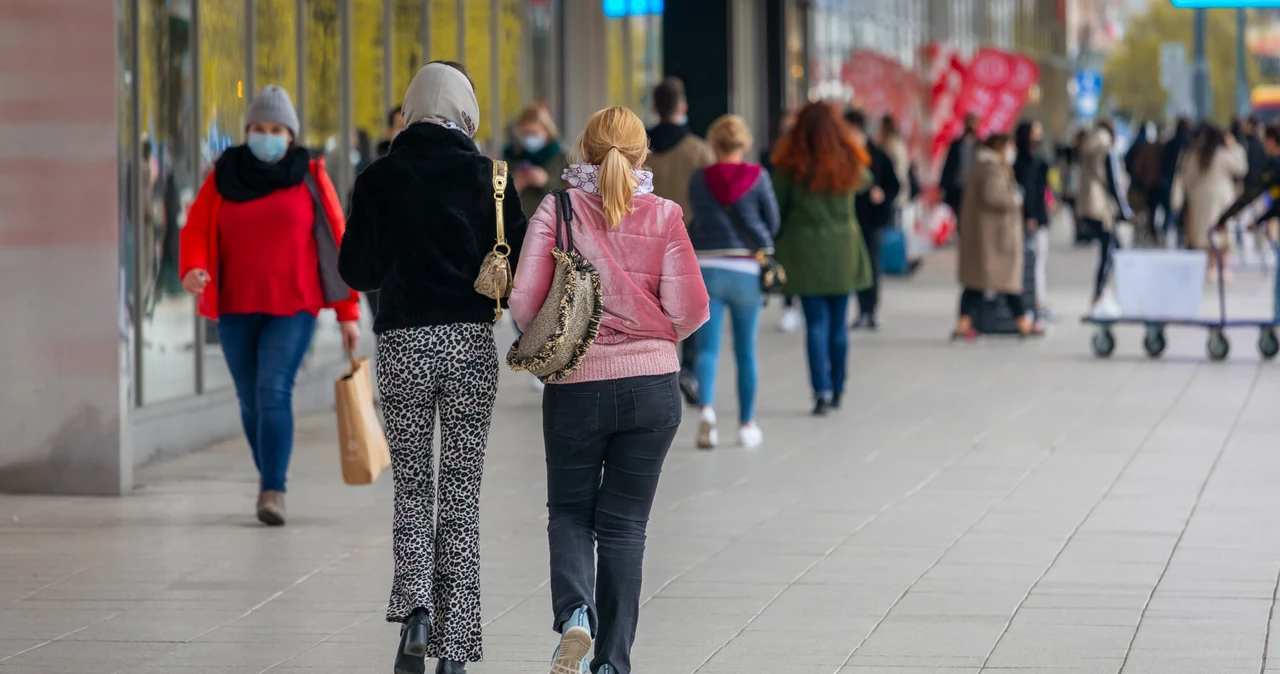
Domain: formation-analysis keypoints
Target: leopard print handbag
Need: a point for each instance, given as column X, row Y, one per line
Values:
column 566, row 326
column 494, row 280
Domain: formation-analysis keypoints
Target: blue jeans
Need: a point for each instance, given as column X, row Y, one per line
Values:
column 825, row 318
column 264, row 354
column 606, row 442
column 739, row 292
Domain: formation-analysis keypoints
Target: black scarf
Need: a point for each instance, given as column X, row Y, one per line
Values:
column 240, row 176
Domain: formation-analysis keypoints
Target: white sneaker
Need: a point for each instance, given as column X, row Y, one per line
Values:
column 792, row 320
column 750, row 436
column 708, row 437
column 536, row 384
column 1106, row 308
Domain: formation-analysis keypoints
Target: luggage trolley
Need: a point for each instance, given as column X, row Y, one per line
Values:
column 1217, row 346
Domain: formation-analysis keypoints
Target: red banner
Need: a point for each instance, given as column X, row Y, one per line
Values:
column 1023, row 75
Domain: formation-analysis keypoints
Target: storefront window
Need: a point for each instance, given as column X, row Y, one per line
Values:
column 127, row 75
column 479, row 60
column 223, row 67
column 222, row 71
column 616, row 53
column 276, row 45
column 369, row 58
column 444, row 30
column 646, row 63
column 406, row 45
column 542, row 59
column 167, row 188
column 513, row 96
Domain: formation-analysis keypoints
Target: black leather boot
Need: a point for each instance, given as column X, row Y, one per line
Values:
column 451, row 667
column 411, row 656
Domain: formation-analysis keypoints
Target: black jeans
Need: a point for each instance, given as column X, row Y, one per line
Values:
column 971, row 299
column 1108, row 244
column 605, row 445
column 869, row 298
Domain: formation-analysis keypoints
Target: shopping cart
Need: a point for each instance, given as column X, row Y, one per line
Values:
column 1217, row 346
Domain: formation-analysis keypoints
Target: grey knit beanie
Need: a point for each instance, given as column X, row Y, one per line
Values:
column 273, row 104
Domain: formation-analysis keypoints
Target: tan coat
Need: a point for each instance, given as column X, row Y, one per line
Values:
column 673, row 169
column 1207, row 193
column 1094, row 198
column 991, row 227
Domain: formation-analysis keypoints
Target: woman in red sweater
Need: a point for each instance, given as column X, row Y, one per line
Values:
column 260, row 252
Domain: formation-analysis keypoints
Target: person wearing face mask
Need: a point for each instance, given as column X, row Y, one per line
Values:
column 250, row 253
column 675, row 155
column 536, row 157
column 991, row 238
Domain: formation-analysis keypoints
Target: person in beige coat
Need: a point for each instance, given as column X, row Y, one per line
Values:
column 1100, row 198
column 1206, row 184
column 991, row 237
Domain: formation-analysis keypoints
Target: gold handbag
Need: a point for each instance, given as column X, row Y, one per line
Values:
column 494, row 280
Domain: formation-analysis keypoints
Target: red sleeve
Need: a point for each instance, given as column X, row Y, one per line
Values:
column 681, row 289
column 193, row 239
column 348, row 310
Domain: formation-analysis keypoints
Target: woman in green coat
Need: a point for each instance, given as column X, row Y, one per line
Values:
column 820, row 165
column 536, row 158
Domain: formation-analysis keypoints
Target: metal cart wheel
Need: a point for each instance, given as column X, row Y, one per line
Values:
column 1154, row 342
column 1218, row 346
column 1268, row 344
column 1104, row 342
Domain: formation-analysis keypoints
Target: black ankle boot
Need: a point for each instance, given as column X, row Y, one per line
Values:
column 411, row 657
column 451, row 667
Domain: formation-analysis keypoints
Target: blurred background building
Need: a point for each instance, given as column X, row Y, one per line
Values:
column 113, row 112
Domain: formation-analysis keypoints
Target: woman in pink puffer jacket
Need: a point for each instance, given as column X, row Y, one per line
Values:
column 608, row 425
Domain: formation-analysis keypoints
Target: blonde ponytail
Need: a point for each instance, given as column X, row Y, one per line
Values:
column 615, row 140
column 617, row 187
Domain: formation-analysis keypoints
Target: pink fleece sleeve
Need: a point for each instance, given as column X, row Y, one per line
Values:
column 681, row 290
column 536, row 267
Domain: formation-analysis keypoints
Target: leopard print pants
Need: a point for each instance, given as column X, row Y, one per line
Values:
column 450, row 370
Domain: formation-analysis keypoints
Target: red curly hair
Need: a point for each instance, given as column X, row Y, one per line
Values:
column 821, row 151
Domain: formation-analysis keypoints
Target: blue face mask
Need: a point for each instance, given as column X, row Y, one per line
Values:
column 268, row 148
column 533, row 142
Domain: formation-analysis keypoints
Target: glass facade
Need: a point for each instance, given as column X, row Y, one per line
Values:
column 189, row 69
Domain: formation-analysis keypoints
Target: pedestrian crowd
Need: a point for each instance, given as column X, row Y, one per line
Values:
column 622, row 257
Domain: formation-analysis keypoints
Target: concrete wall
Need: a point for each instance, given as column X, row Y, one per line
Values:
column 64, row 424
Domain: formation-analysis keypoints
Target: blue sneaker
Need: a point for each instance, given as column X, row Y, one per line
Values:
column 575, row 643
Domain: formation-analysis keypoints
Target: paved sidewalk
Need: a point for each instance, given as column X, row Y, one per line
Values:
column 1001, row 507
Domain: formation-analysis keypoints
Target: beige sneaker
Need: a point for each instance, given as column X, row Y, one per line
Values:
column 271, row 508
column 708, row 437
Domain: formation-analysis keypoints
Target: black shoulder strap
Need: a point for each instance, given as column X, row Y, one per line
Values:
column 564, row 220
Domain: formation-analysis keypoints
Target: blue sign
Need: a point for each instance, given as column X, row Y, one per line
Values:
column 1216, row 4
column 1088, row 93
column 616, row 9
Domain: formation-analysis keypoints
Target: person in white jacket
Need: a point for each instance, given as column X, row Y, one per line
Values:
column 1206, row 185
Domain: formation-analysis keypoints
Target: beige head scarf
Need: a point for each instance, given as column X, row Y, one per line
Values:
column 441, row 95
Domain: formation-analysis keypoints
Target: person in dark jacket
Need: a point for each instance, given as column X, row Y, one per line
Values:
column 1031, row 171
column 735, row 217
column 423, row 218
column 1256, row 204
column 1170, row 155
column 1146, row 195
column 874, row 208
column 960, row 158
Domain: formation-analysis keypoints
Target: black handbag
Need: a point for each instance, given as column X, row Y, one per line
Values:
column 772, row 276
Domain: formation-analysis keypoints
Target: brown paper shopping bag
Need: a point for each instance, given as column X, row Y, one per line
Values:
column 361, row 442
